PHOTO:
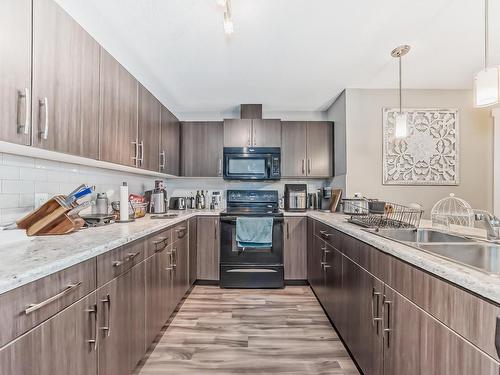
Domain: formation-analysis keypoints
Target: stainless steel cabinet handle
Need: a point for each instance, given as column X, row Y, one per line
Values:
column 287, row 230
column 375, row 309
column 162, row 160
column 309, row 166
column 388, row 330
column 169, row 268
column 141, row 147
column 249, row 136
column 220, row 166
column 135, row 158
column 128, row 258
column 107, row 326
column 215, row 229
column 181, row 232
column 26, row 124
column 303, row 166
column 174, row 257
column 93, row 341
column 324, row 233
column 37, row 306
column 45, row 132
column 254, row 137
column 162, row 242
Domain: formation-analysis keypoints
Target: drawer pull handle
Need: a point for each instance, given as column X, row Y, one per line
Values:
column 181, row 232
column 163, row 242
column 37, row 306
column 128, row 258
column 324, row 233
column 107, row 323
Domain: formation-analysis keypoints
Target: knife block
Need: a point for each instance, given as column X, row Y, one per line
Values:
column 50, row 218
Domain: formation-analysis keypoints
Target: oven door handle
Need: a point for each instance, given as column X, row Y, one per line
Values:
column 232, row 219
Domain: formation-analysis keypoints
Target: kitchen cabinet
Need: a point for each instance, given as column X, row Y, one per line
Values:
column 416, row 343
column 252, row 132
column 315, row 272
column 62, row 345
column 65, row 109
column 307, row 149
column 157, row 294
column 295, row 248
column 201, row 149
column 122, row 339
column 169, row 143
column 193, row 239
column 180, row 262
column 208, row 245
column 15, row 71
column 117, row 112
column 148, row 144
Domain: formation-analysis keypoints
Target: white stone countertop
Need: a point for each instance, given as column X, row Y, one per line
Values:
column 24, row 259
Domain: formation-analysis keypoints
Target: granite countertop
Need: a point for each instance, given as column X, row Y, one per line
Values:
column 32, row 258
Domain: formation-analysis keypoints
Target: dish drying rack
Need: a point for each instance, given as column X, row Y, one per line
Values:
column 393, row 216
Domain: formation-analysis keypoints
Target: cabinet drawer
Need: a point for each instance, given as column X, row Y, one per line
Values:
column 158, row 242
column 29, row 305
column 180, row 231
column 328, row 234
column 117, row 261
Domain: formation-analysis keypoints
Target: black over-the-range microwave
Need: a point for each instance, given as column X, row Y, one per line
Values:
column 252, row 163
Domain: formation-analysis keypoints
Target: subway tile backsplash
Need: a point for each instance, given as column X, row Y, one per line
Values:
column 25, row 181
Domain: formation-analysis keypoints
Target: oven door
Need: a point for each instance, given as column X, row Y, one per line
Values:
column 230, row 253
column 247, row 166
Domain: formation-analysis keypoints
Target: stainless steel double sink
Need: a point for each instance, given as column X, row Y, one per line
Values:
column 483, row 256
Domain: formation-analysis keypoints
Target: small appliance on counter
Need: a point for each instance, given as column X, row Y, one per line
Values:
column 101, row 206
column 324, row 198
column 295, row 197
column 216, row 199
column 157, row 199
column 177, row 203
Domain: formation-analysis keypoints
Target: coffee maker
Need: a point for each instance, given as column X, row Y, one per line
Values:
column 324, row 198
column 296, row 197
column 157, row 199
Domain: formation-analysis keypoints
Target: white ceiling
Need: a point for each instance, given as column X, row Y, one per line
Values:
column 290, row 55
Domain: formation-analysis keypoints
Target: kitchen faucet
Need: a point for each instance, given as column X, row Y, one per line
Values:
column 489, row 222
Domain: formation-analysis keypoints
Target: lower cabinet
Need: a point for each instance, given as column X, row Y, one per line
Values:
column 192, row 225
column 208, row 245
column 121, row 323
column 158, row 293
column 180, row 266
column 295, row 248
column 65, row 344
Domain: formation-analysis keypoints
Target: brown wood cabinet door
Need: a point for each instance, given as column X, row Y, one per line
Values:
column 148, row 130
column 316, row 274
column 208, row 248
column 238, row 133
column 201, row 149
column 59, row 346
column 333, row 276
column 295, row 248
column 181, row 268
column 293, row 149
column 416, row 343
column 362, row 304
column 118, row 112
column 319, row 149
column 193, row 229
column 170, row 143
column 65, row 110
column 266, row 133
column 121, row 304
column 15, row 71
column 156, row 299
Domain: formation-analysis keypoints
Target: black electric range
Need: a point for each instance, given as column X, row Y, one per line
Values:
column 251, row 267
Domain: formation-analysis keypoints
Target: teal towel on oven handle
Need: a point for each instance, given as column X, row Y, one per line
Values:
column 256, row 232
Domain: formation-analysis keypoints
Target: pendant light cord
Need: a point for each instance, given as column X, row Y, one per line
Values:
column 486, row 36
column 400, row 94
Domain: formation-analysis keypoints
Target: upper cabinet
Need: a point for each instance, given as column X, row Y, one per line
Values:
column 169, row 143
column 117, row 113
column 307, row 149
column 65, row 83
column 201, row 149
column 15, row 71
column 148, row 145
column 252, row 133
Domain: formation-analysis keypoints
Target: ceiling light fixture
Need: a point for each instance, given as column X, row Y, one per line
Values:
column 401, row 128
column 487, row 81
column 228, row 20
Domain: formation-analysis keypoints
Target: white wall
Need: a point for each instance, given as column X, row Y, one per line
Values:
column 364, row 147
column 496, row 161
column 337, row 114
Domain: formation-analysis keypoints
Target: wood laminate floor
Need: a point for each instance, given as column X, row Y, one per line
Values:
column 249, row 331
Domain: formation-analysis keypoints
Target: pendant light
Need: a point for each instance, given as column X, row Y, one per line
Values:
column 228, row 19
column 487, row 81
column 401, row 127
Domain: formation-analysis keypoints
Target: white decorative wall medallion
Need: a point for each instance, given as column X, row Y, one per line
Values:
column 429, row 155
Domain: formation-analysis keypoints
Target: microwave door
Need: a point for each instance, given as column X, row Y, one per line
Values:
column 247, row 167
